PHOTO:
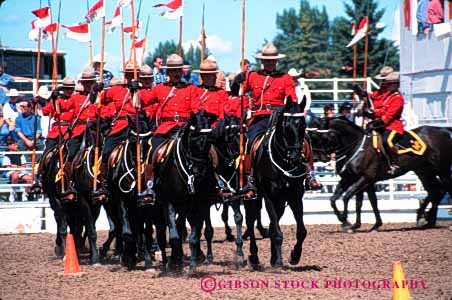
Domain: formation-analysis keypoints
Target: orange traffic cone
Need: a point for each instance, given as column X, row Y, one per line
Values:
column 400, row 289
column 71, row 265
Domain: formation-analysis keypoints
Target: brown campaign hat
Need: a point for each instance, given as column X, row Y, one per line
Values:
column 269, row 52
column 116, row 81
column 130, row 67
column 385, row 71
column 392, row 77
column 174, row 61
column 68, row 81
column 146, row 72
column 207, row 67
column 88, row 75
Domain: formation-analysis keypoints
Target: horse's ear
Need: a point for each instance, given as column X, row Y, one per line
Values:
column 302, row 103
column 289, row 103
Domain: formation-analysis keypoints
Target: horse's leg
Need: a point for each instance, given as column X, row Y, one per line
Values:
column 208, row 234
column 61, row 222
column 160, row 226
column 275, row 211
column 90, row 229
column 434, row 190
column 359, row 204
column 337, row 194
column 373, row 202
column 195, row 220
column 351, row 191
column 174, row 239
column 296, row 204
column 238, row 219
column 262, row 230
column 182, row 226
column 227, row 229
column 130, row 247
column 251, row 209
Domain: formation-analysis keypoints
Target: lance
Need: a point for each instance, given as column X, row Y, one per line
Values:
column 366, row 47
column 99, row 104
column 136, row 100
column 123, row 49
column 203, row 33
column 38, row 69
column 145, row 40
column 355, row 49
column 180, row 34
column 242, row 104
column 90, row 43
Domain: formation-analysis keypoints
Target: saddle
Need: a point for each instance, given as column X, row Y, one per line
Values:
column 163, row 151
column 409, row 143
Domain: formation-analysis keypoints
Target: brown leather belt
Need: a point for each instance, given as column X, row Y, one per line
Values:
column 268, row 107
column 122, row 118
column 174, row 119
column 62, row 123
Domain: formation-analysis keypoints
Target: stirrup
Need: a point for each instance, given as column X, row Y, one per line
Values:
column 69, row 195
column 147, row 197
column 312, row 184
column 36, row 188
column 393, row 169
column 100, row 195
column 249, row 191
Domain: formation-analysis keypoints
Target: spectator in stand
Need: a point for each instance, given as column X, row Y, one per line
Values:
column 10, row 112
column 15, row 161
column 188, row 76
column 328, row 110
column 435, row 12
column 345, row 111
column 25, row 128
column 41, row 100
column 247, row 65
column 421, row 17
column 159, row 73
column 5, row 80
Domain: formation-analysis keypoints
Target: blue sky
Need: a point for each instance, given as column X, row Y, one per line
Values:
column 223, row 27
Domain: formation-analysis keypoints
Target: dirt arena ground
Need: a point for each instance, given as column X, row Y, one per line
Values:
column 334, row 265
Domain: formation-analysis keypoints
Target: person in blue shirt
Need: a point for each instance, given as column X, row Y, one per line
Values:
column 188, row 76
column 159, row 73
column 107, row 75
column 25, row 128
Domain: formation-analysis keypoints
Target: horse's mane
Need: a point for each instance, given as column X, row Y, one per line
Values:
column 344, row 121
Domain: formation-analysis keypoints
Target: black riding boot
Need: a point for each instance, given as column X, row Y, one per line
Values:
column 147, row 196
column 393, row 161
column 70, row 194
column 101, row 193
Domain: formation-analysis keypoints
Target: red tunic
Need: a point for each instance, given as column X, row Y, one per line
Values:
column 85, row 110
column 389, row 109
column 269, row 90
column 118, row 103
column 173, row 103
column 147, row 104
column 232, row 106
column 212, row 101
column 66, row 116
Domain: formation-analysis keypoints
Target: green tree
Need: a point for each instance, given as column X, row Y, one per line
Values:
column 304, row 37
column 192, row 55
column 381, row 50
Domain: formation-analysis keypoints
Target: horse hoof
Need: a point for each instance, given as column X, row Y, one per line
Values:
column 240, row 261
column 294, row 258
column 278, row 265
column 59, row 251
column 254, row 261
column 349, row 230
column 422, row 222
column 103, row 252
column 264, row 233
column 230, row 238
column 209, row 260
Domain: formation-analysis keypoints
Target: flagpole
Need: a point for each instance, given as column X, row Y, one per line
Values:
column 90, row 43
column 355, row 51
column 99, row 103
column 136, row 100
column 180, row 32
column 123, row 45
column 38, row 67
column 242, row 104
column 203, row 34
column 145, row 40
column 366, row 46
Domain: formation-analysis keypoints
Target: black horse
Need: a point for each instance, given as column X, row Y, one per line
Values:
column 361, row 166
column 185, row 185
column 49, row 166
column 133, row 224
column 280, row 172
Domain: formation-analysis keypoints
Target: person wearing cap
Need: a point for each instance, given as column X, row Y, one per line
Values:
column 345, row 111
column 84, row 111
column 302, row 91
column 117, row 105
column 175, row 100
column 269, row 89
column 10, row 112
column 25, row 128
column 387, row 118
column 97, row 60
column 188, row 76
column 63, row 118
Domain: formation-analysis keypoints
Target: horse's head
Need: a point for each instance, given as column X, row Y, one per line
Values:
column 199, row 139
column 142, row 126
column 227, row 137
column 291, row 124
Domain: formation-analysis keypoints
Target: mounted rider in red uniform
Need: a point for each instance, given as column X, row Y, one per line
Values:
column 174, row 101
column 388, row 108
column 269, row 89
